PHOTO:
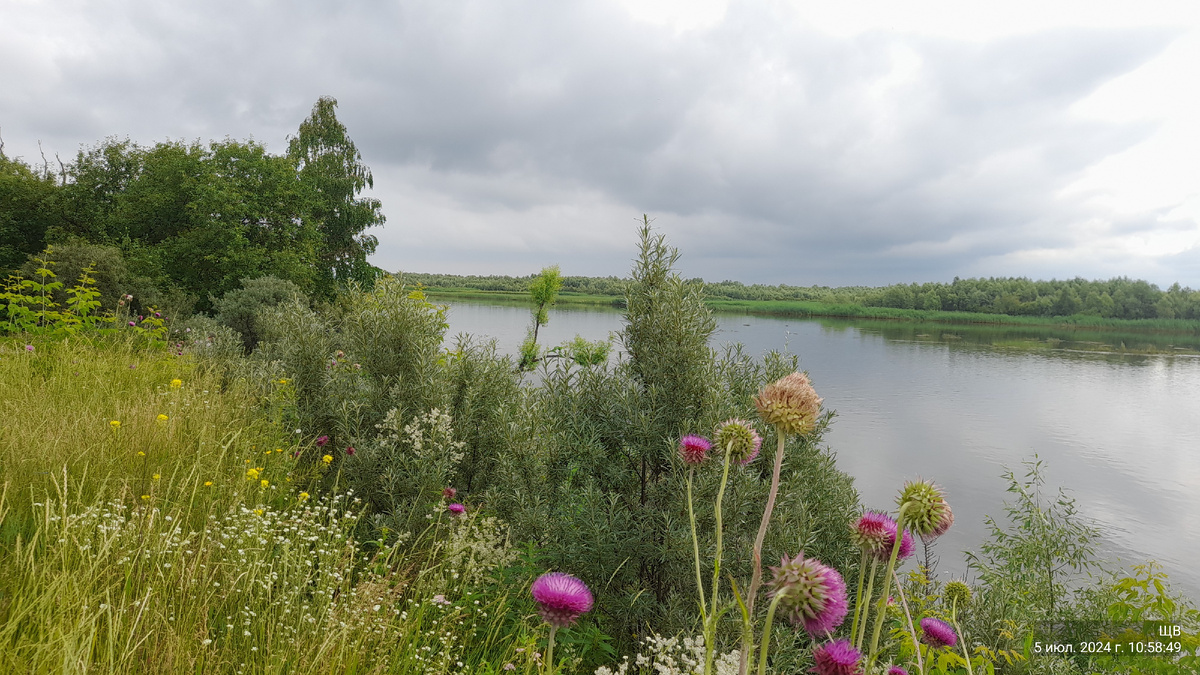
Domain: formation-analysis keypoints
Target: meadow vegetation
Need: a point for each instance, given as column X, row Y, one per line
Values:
column 291, row 486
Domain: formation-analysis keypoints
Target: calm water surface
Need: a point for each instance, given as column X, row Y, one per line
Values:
column 960, row 404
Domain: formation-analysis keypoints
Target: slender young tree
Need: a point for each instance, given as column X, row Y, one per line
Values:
column 331, row 168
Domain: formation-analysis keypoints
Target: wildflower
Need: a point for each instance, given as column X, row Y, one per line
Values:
column 350, row 451
column 957, row 593
column 278, row 449
column 937, row 633
column 283, row 380
column 440, row 599
column 29, row 348
column 264, row 482
column 258, row 512
column 456, row 509
column 176, row 383
column 509, row 666
column 694, row 449
column 449, row 492
column 251, row 474
column 208, row 483
column 328, row 459
column 158, row 315
column 141, row 454
column 154, row 477
column 790, row 404
column 741, row 439
column 925, row 509
column 116, row 424
column 162, row 418
column 146, row 497
column 561, row 598
column 322, row 441
column 875, row 533
column 812, row 594
column 132, row 323
column 302, row 496
column 837, row 658
column 896, row 670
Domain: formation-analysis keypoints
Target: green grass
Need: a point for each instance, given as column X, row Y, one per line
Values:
column 151, row 547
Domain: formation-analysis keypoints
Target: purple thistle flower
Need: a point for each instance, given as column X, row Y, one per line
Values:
column 29, row 348
column 937, row 633
column 561, row 598
column 456, row 509
column 897, row 670
column 132, row 323
column 694, row 449
column 350, row 450
column 322, row 441
column 837, row 658
column 813, row 594
column 875, row 533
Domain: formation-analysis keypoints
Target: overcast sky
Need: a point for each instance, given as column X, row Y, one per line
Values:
column 777, row 142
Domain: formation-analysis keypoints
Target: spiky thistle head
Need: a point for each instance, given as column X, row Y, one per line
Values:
column 810, row 594
column 875, row 533
column 694, row 449
column 741, row 440
column 561, row 598
column 837, row 658
column 925, row 509
column 937, row 633
column 789, row 404
column 957, row 594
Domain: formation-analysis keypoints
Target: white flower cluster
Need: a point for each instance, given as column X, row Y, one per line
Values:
column 673, row 656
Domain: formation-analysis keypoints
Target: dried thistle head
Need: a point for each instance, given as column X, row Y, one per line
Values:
column 789, row 404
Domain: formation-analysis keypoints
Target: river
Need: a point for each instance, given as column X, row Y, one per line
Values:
column 960, row 404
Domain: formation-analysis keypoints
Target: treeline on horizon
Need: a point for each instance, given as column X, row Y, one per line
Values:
column 179, row 224
column 1117, row 298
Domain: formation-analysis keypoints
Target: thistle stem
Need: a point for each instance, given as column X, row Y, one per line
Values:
column 550, row 652
column 696, row 548
column 887, row 583
column 710, row 629
column 766, row 639
column 862, row 630
column 962, row 638
column 756, row 575
column 911, row 629
column 862, row 574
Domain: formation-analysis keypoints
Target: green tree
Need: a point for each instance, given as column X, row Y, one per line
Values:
column 331, row 169
column 543, row 290
column 26, row 211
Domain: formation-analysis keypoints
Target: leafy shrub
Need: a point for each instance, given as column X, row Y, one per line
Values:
column 241, row 309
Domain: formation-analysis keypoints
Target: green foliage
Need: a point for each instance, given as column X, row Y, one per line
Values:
column 331, row 170
column 241, row 309
column 27, row 210
column 584, row 352
column 543, row 291
column 29, row 305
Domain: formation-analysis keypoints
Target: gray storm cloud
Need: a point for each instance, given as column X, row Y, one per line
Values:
column 507, row 135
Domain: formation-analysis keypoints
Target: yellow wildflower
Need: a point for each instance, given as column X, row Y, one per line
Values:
column 258, row 512
column 115, row 424
column 155, row 477
column 176, row 383
column 146, row 497
column 303, row 496
column 162, row 417
column 265, row 483
column 283, row 381
column 252, row 474
column 278, row 449
column 141, row 454
column 328, row 459
column 267, row 452
column 208, row 483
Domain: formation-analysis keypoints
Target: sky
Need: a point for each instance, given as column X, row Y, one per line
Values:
column 850, row 143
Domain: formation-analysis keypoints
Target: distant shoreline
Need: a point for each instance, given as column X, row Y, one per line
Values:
column 803, row 308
